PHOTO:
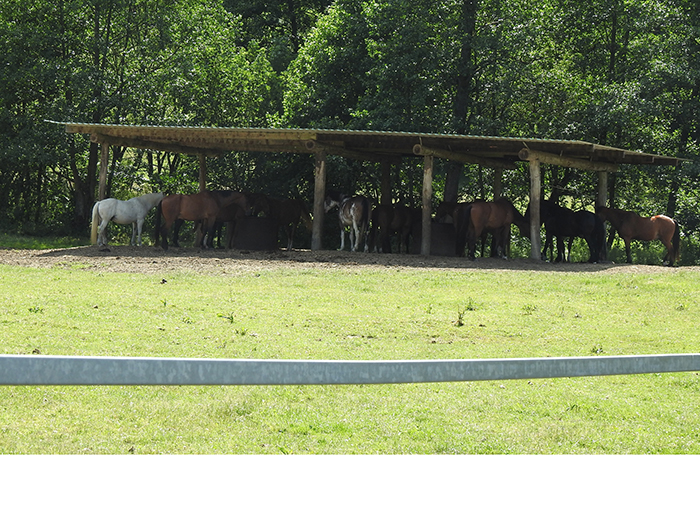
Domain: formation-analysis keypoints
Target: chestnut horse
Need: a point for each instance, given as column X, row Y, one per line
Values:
column 473, row 219
column 354, row 212
column 206, row 207
column 632, row 227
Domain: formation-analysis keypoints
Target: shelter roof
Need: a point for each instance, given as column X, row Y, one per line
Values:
column 366, row 145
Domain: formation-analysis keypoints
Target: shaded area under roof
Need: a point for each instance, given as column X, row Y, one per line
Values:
column 366, row 145
column 385, row 147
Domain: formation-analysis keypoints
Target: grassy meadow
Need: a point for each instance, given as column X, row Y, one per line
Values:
column 349, row 312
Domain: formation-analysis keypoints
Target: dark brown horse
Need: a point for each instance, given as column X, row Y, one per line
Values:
column 388, row 220
column 354, row 212
column 256, row 203
column 289, row 213
column 562, row 223
column 205, row 207
column 632, row 227
column 473, row 219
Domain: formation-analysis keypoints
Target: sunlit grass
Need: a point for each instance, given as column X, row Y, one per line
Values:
column 24, row 242
column 346, row 313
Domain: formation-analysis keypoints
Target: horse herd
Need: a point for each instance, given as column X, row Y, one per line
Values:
column 209, row 210
column 376, row 225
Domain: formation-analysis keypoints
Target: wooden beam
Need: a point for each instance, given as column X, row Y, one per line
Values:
column 319, row 198
column 154, row 145
column 535, row 196
column 427, row 208
column 567, row 162
column 331, row 149
column 463, row 158
column 104, row 161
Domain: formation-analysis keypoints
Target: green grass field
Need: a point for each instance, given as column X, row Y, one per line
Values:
column 352, row 313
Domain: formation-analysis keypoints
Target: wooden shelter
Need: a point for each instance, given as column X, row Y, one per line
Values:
column 386, row 148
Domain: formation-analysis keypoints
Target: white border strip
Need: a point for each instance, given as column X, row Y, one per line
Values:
column 72, row 370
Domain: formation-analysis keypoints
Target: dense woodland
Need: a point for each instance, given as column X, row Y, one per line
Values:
column 623, row 73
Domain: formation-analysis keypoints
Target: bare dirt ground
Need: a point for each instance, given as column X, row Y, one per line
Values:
column 150, row 260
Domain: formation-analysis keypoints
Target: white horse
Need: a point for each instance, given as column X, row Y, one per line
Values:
column 132, row 212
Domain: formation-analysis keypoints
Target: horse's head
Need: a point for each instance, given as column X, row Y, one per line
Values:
column 257, row 203
column 333, row 199
column 444, row 211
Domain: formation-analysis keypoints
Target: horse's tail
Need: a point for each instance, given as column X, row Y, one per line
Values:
column 461, row 218
column 676, row 240
column 159, row 210
column 95, row 223
column 599, row 245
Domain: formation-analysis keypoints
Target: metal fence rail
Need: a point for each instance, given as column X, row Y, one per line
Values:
column 64, row 370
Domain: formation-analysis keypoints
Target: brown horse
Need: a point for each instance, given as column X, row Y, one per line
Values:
column 388, row 220
column 354, row 212
column 233, row 207
column 632, row 227
column 205, row 207
column 289, row 213
column 473, row 219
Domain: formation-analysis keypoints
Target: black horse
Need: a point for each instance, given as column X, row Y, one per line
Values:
column 564, row 223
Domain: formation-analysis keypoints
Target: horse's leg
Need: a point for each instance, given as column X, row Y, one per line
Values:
column 139, row 228
column 669, row 252
column 628, row 250
column 560, row 249
column 230, row 234
column 133, row 233
column 342, row 237
column 547, row 243
column 164, row 231
column 354, row 240
column 219, row 232
column 102, row 235
column 209, row 241
column 176, row 232
column 472, row 236
column 568, row 253
column 291, row 228
column 366, row 238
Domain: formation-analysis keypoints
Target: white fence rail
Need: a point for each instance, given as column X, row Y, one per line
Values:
column 72, row 370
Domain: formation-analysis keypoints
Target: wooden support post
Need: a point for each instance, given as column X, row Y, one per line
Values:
column 386, row 184
column 319, row 198
column 202, row 172
column 104, row 161
column 497, row 183
column 602, row 195
column 427, row 208
column 535, row 197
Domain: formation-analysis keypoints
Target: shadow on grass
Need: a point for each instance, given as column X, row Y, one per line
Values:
column 320, row 257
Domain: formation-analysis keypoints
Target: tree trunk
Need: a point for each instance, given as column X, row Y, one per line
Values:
column 465, row 90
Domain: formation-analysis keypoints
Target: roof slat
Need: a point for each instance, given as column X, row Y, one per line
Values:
column 368, row 144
